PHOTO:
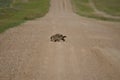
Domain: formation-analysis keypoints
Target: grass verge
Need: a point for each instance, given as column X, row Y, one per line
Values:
column 111, row 7
column 83, row 8
column 10, row 17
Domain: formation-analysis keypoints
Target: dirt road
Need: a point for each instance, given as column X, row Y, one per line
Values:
column 91, row 50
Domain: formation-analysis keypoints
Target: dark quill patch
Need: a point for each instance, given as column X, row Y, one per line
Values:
column 57, row 38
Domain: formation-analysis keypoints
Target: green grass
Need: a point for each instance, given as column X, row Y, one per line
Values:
column 10, row 17
column 111, row 7
column 4, row 3
column 83, row 8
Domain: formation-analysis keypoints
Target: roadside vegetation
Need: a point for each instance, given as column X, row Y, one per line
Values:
column 111, row 7
column 14, row 12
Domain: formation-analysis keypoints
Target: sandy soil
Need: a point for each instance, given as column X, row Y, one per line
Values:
column 91, row 50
